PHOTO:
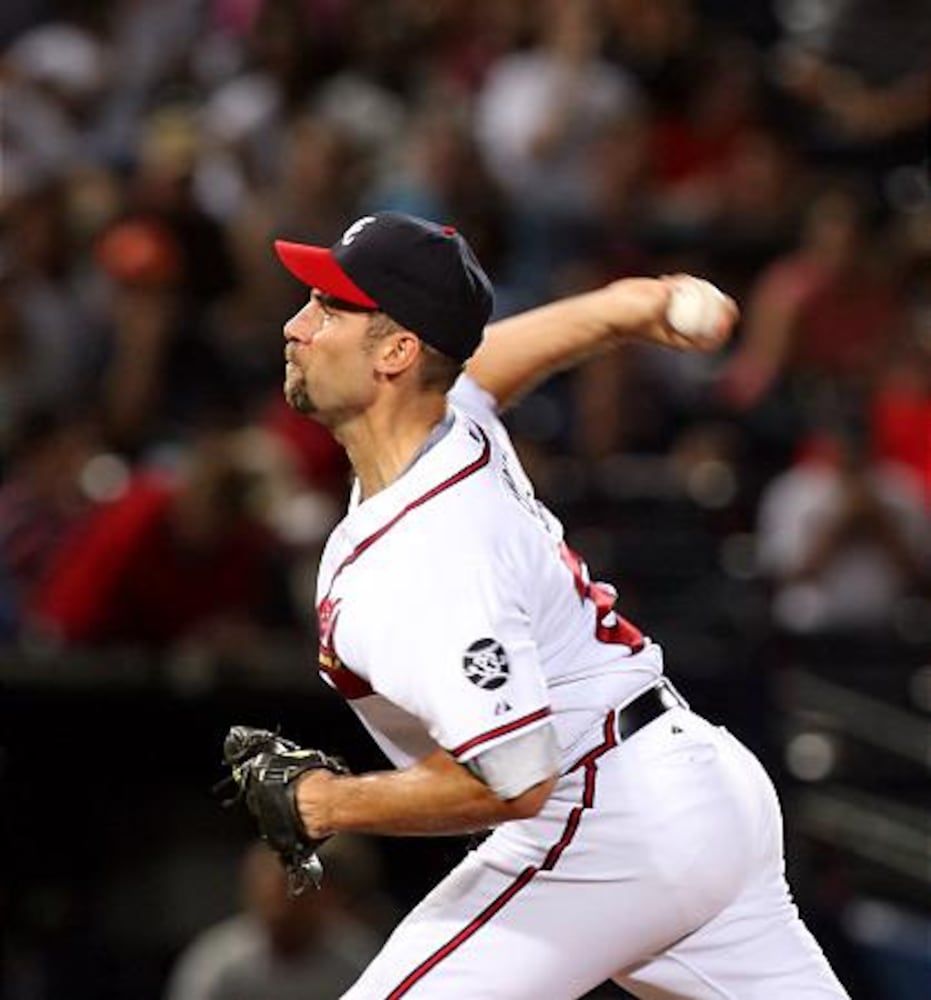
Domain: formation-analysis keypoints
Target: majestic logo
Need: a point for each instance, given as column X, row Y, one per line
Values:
column 486, row 664
column 353, row 231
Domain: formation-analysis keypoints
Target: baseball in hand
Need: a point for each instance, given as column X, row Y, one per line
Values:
column 696, row 308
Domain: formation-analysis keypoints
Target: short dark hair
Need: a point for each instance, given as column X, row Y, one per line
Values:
column 438, row 371
column 380, row 325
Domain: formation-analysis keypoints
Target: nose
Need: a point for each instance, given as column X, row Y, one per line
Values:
column 300, row 327
column 290, row 329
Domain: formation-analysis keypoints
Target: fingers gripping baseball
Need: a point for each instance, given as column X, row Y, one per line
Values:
column 699, row 312
column 678, row 311
column 266, row 769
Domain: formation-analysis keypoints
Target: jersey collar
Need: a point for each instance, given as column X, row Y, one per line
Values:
column 453, row 445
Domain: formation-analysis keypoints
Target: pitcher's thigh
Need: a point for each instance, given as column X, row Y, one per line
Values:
column 756, row 949
column 483, row 934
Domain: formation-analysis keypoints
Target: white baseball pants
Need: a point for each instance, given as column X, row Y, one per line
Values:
column 657, row 862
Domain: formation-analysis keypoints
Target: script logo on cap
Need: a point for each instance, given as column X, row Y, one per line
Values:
column 353, row 231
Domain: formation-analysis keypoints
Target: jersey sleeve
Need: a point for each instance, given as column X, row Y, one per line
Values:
column 451, row 645
column 400, row 736
column 467, row 395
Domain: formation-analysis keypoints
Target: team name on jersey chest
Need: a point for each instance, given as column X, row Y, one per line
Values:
column 350, row 685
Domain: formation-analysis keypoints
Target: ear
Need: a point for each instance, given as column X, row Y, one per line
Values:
column 397, row 352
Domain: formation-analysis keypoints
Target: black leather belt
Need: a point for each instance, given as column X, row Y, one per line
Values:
column 646, row 707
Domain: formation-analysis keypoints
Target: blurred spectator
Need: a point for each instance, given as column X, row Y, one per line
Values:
column 541, row 110
column 149, row 42
column 367, row 96
column 612, row 241
column 695, row 139
column 320, row 461
column 894, row 941
column 169, row 264
column 53, row 77
column 294, row 41
column 538, row 119
column 900, row 410
column 821, row 319
column 701, row 82
column 863, row 68
column 312, row 946
column 169, row 561
column 468, row 37
column 442, row 177
column 162, row 188
column 842, row 539
column 759, row 206
column 241, row 143
column 14, row 356
column 620, row 191
column 316, row 190
column 300, row 482
column 40, row 501
column 143, row 260
column 657, row 41
column 49, row 338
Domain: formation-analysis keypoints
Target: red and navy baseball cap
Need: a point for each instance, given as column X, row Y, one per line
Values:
column 423, row 275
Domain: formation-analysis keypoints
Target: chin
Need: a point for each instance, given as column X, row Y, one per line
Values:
column 296, row 395
column 298, row 400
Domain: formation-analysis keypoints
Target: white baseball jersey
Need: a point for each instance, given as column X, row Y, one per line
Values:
column 452, row 613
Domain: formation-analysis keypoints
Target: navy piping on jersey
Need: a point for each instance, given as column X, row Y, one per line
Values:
column 349, row 684
column 508, row 727
column 457, row 477
column 589, row 762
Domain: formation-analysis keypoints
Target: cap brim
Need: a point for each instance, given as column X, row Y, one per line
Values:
column 318, row 268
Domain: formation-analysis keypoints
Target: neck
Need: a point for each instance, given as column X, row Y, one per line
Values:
column 382, row 442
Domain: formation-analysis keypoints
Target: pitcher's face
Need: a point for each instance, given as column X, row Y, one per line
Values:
column 329, row 374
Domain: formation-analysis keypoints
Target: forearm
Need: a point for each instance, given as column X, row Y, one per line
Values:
column 523, row 350
column 434, row 796
column 520, row 351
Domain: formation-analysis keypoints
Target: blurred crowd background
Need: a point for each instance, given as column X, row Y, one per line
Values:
column 765, row 513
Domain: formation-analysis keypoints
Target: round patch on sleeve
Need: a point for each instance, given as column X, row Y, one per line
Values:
column 486, row 664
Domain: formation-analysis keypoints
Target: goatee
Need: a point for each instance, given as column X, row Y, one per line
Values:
column 298, row 399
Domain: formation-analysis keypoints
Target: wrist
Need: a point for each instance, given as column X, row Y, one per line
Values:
column 313, row 801
column 630, row 309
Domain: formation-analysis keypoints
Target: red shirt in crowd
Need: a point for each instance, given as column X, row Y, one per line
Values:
column 125, row 574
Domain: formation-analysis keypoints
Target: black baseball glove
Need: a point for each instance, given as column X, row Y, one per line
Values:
column 265, row 768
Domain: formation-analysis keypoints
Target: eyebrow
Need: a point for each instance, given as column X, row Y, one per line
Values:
column 331, row 302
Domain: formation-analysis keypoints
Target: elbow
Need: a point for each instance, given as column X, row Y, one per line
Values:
column 529, row 803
